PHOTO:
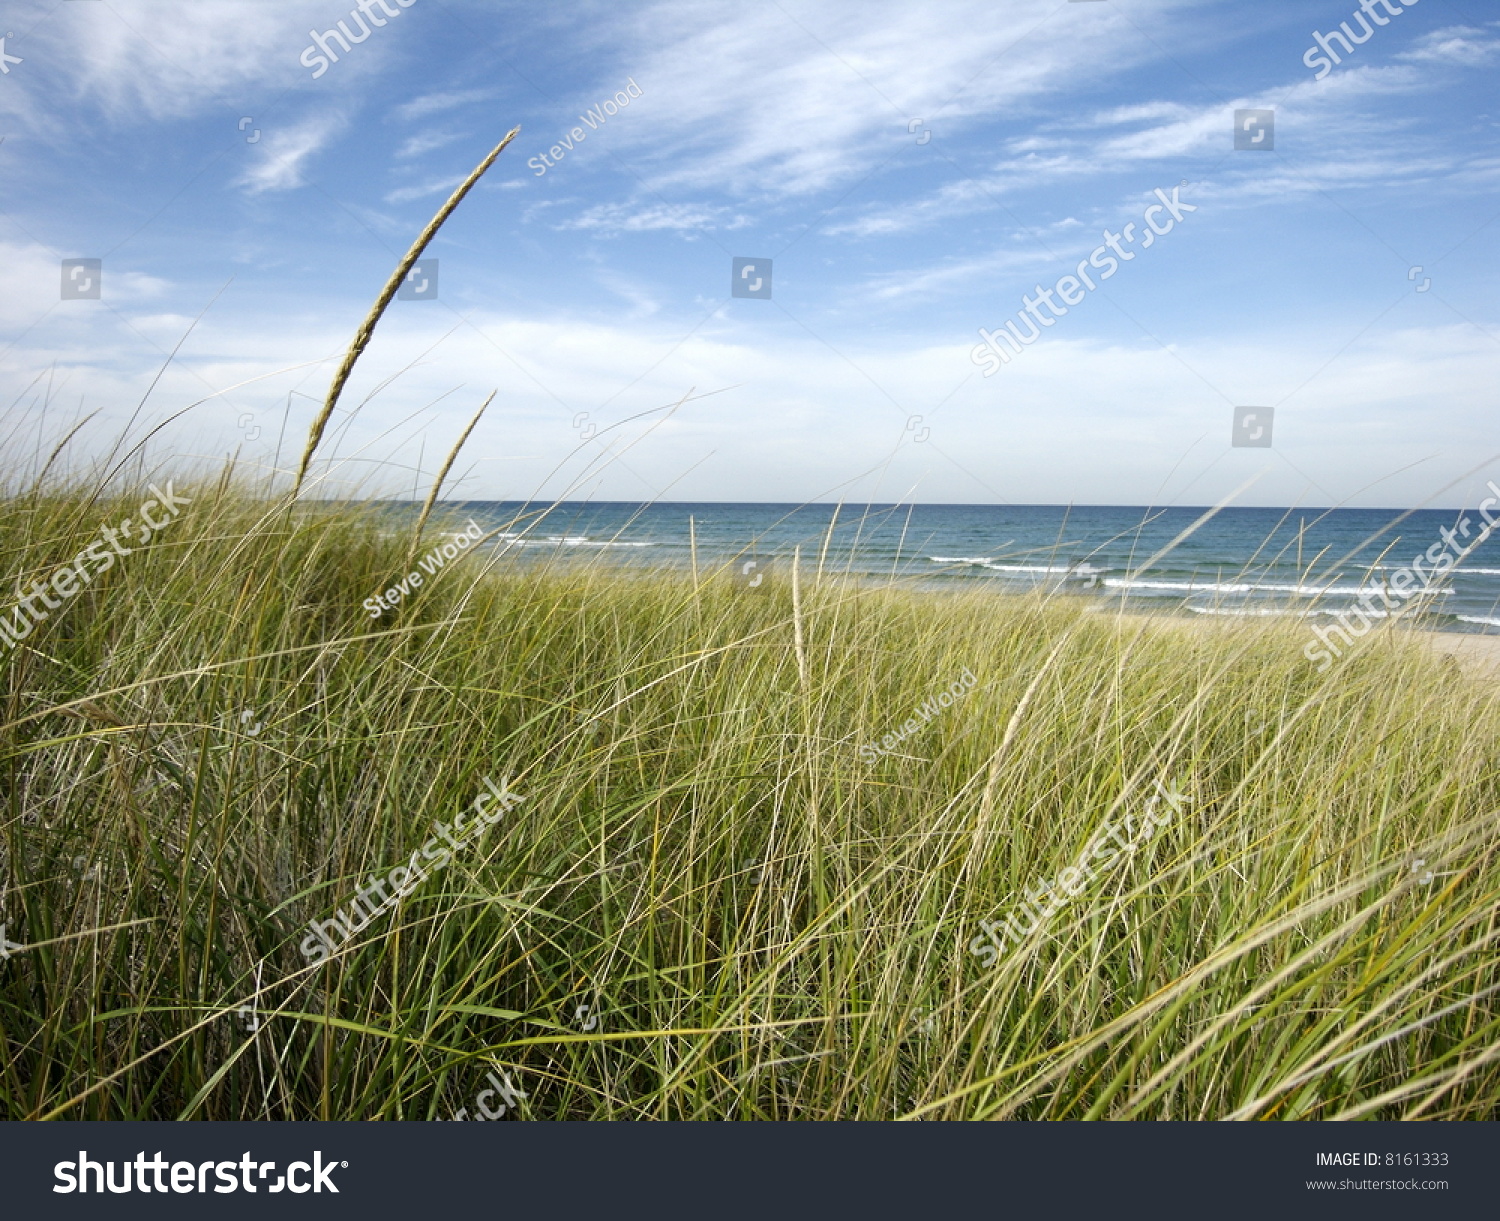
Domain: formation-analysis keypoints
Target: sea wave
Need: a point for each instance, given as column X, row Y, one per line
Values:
column 1077, row 570
column 1227, row 587
column 1460, row 567
column 1248, row 612
column 565, row 540
column 1247, row 587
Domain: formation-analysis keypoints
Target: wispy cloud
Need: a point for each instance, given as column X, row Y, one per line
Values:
column 631, row 218
column 952, row 199
column 436, row 103
column 285, row 152
column 1331, row 138
column 171, row 58
column 433, row 186
column 1459, row 44
column 425, row 142
column 928, row 283
column 731, row 89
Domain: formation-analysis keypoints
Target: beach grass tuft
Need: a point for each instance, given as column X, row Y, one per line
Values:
column 710, row 904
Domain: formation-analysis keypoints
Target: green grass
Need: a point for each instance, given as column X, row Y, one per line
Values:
column 766, row 926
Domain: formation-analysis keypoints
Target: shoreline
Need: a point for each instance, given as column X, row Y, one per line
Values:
column 1477, row 655
column 571, row 553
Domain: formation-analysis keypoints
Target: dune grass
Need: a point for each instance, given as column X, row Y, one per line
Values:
column 709, row 904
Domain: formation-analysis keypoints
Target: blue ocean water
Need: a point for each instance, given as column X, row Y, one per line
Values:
column 1245, row 562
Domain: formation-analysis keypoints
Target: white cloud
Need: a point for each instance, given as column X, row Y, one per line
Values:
column 284, row 153
column 33, row 286
column 433, row 186
column 1070, row 419
column 426, row 142
column 174, row 59
column 1141, row 111
column 640, row 218
column 629, row 289
column 952, row 199
column 1332, row 137
column 1460, row 44
column 171, row 58
column 436, row 103
column 774, row 103
column 929, row 283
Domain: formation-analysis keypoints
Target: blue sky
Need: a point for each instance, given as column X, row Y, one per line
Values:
column 911, row 173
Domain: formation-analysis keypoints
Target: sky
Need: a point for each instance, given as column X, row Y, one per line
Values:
column 905, row 175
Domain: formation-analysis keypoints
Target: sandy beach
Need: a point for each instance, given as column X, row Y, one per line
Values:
column 1477, row 655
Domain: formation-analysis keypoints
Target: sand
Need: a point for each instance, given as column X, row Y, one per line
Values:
column 1478, row 656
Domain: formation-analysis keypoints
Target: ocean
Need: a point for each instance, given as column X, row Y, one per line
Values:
column 1243, row 562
